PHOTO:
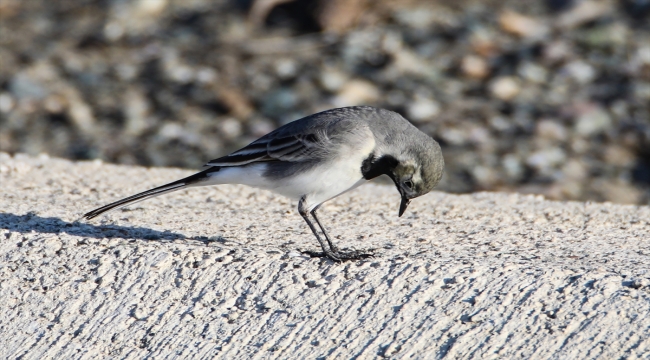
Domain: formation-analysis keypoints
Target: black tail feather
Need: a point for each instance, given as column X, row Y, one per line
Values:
column 167, row 188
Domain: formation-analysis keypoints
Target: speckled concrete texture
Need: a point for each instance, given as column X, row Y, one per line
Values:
column 219, row 272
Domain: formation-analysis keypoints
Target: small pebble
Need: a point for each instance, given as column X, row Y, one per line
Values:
column 505, row 88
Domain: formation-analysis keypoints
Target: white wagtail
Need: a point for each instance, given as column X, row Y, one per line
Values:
column 320, row 157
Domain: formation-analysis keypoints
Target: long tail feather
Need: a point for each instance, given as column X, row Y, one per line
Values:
column 164, row 189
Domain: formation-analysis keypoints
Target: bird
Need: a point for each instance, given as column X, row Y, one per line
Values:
column 319, row 157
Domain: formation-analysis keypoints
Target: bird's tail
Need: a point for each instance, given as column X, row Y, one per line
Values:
column 164, row 189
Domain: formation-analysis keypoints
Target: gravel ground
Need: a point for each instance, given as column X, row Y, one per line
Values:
column 486, row 275
column 548, row 97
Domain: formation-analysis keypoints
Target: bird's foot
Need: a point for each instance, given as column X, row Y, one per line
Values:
column 342, row 255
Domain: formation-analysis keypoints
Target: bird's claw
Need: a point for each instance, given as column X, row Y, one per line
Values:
column 340, row 255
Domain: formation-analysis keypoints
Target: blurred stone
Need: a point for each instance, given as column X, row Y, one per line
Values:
column 631, row 139
column 80, row 112
column 396, row 98
column 537, row 189
column 392, row 42
column 230, row 128
column 620, row 109
column 531, row 93
column 278, row 102
column 6, row 102
column 484, row 176
column 126, row 71
column 339, row 15
column 581, row 71
column 521, row 25
column 533, row 72
column 356, row 46
column 332, row 79
column 500, row 123
column 307, row 89
column 175, row 68
column 133, row 18
column 235, row 101
column 592, row 121
column 9, row 8
column 475, row 67
column 575, row 169
column 286, row 68
column 585, row 11
column 451, row 87
column 171, row 131
column 618, row 191
column 484, row 42
column 26, row 107
column 453, row 136
column 607, row 36
column 619, row 156
column 174, row 131
column 565, row 189
column 406, row 61
column 641, row 91
column 206, row 75
column 423, row 17
column 259, row 127
column 136, row 110
column 9, row 62
column 181, row 73
column 552, row 130
column 639, row 64
column 422, row 109
column 559, row 89
column 481, row 136
column 579, row 145
column 513, row 167
column 151, row 7
column 113, row 31
column 546, row 159
column 55, row 104
column 643, row 54
column 505, row 88
column 24, row 86
column 356, row 92
column 557, row 51
column 263, row 82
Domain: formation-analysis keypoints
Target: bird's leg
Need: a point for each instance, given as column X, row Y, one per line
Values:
column 322, row 228
column 330, row 253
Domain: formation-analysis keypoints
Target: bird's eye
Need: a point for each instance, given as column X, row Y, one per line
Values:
column 408, row 184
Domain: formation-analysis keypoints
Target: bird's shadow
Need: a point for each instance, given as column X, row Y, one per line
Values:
column 31, row 222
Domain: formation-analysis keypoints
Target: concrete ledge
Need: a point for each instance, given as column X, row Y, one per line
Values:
column 217, row 271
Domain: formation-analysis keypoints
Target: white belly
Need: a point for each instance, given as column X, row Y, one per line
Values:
column 317, row 185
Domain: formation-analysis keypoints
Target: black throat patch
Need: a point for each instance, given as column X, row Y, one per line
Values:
column 372, row 166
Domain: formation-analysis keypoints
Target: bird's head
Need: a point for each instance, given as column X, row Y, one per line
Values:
column 417, row 171
column 411, row 158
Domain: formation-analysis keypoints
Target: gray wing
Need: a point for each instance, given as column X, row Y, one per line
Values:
column 304, row 140
column 277, row 146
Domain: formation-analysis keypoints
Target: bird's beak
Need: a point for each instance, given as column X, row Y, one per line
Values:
column 402, row 206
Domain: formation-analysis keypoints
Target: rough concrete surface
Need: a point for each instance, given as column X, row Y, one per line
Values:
column 218, row 272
